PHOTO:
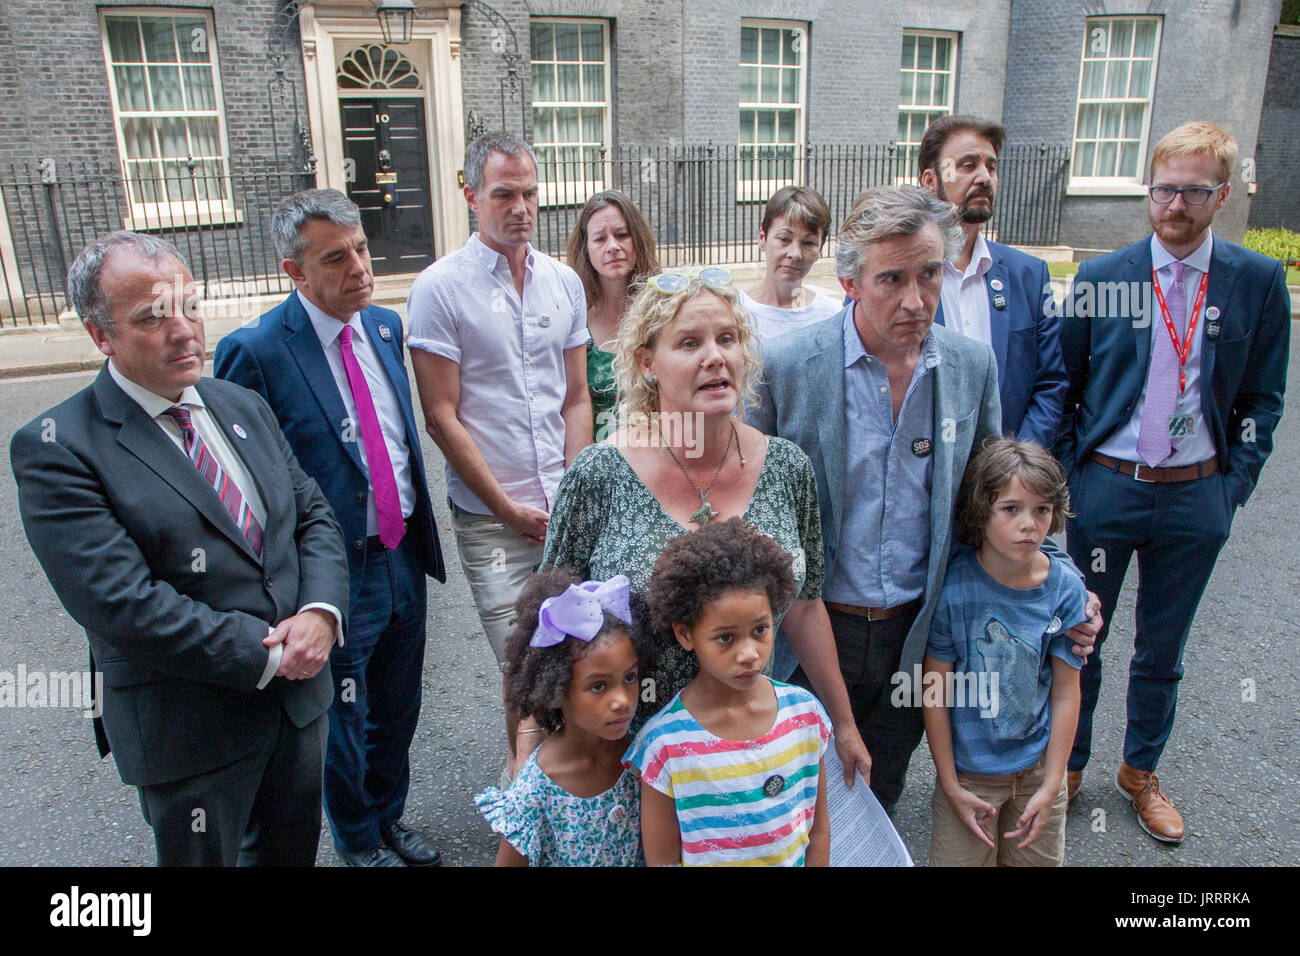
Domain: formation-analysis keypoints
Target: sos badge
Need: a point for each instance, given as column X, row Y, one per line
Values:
column 385, row 333
column 999, row 302
column 922, row 447
column 1212, row 326
column 773, row 785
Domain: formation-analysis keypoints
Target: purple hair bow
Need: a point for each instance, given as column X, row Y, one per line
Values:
column 580, row 611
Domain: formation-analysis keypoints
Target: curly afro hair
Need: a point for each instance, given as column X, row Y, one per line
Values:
column 702, row 566
column 537, row 678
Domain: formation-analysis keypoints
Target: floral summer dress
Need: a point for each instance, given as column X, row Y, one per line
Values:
column 552, row 827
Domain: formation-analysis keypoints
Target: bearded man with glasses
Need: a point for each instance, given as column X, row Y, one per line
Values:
column 1170, row 414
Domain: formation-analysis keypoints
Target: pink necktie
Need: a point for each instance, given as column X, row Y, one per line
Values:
column 388, row 505
column 226, row 489
column 1162, row 376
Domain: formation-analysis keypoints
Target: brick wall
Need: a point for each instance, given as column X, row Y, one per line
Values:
column 1212, row 61
column 1277, row 167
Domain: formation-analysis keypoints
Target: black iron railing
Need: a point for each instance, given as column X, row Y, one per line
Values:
column 219, row 220
column 705, row 203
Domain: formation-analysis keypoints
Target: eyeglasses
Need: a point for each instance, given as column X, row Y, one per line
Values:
column 714, row 277
column 1192, row 195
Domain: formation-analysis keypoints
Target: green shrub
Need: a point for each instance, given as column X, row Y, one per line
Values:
column 1278, row 243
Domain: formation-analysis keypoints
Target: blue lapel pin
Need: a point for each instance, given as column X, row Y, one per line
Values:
column 385, row 333
column 239, row 430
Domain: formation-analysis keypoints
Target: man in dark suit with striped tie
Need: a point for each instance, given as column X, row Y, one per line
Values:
column 207, row 568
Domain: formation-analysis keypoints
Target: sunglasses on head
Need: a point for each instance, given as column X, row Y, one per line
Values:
column 714, row 277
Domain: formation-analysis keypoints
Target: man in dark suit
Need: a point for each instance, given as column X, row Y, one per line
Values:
column 1170, row 416
column 331, row 366
column 991, row 292
column 176, row 527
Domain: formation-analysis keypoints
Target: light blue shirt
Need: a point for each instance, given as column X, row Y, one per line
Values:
column 884, row 546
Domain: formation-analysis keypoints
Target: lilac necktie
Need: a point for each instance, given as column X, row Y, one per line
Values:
column 226, row 489
column 1162, row 376
column 388, row 505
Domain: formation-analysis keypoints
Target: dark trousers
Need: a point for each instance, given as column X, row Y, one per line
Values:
column 261, row 810
column 377, row 684
column 869, row 653
column 1176, row 530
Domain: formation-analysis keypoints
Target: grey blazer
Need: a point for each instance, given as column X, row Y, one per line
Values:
column 802, row 399
column 174, row 602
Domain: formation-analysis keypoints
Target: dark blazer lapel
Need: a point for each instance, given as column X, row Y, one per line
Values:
column 306, row 350
column 938, row 315
column 1218, row 293
column 999, row 319
column 1138, row 276
column 825, row 373
column 140, row 435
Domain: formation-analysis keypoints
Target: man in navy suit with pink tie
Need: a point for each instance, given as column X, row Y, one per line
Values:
column 1176, row 349
column 331, row 367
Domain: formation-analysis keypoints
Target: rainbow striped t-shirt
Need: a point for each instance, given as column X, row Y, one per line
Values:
column 739, row 802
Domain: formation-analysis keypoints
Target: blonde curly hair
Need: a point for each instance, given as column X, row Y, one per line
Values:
column 648, row 315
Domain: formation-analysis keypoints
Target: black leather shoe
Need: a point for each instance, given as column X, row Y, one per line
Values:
column 375, row 856
column 409, row 845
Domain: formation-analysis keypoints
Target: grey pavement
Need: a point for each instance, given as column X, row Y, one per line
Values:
column 1231, row 766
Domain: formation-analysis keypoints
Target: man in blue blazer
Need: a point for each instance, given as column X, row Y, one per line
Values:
column 331, row 367
column 888, row 407
column 1177, row 351
column 991, row 292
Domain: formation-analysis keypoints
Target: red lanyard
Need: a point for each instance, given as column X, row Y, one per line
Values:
column 1183, row 350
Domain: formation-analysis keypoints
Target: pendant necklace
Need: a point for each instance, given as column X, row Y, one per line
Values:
column 705, row 513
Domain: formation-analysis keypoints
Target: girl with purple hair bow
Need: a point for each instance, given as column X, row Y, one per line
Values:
column 572, row 668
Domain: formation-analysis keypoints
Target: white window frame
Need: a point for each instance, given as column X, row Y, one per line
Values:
column 172, row 212
column 574, row 192
column 1113, row 185
column 906, row 147
column 760, row 189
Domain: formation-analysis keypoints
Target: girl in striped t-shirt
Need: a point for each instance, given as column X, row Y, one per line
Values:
column 731, row 770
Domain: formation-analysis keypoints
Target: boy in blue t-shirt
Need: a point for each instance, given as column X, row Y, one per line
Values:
column 1001, row 734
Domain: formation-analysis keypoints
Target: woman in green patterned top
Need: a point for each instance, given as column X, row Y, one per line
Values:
column 685, row 361
column 612, row 249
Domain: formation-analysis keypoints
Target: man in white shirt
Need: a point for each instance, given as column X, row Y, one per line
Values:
column 993, row 293
column 1177, row 351
column 498, row 335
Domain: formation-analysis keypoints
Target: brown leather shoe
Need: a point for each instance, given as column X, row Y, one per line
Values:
column 1155, row 813
column 1073, row 778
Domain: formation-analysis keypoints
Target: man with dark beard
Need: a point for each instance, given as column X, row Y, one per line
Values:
column 991, row 292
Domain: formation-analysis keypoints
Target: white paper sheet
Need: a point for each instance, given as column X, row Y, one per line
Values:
column 861, row 832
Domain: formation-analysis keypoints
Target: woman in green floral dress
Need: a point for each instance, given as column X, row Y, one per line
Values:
column 685, row 359
column 612, row 249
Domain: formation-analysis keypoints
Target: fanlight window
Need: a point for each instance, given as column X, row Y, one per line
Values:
column 377, row 67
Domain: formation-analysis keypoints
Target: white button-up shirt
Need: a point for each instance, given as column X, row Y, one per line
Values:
column 1189, row 450
column 387, row 409
column 965, row 296
column 510, row 350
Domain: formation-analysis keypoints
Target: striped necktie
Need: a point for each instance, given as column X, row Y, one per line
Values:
column 226, row 489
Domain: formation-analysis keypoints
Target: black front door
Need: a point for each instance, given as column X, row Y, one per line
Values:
column 387, row 163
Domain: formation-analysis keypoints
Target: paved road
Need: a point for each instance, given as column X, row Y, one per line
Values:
column 1231, row 766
